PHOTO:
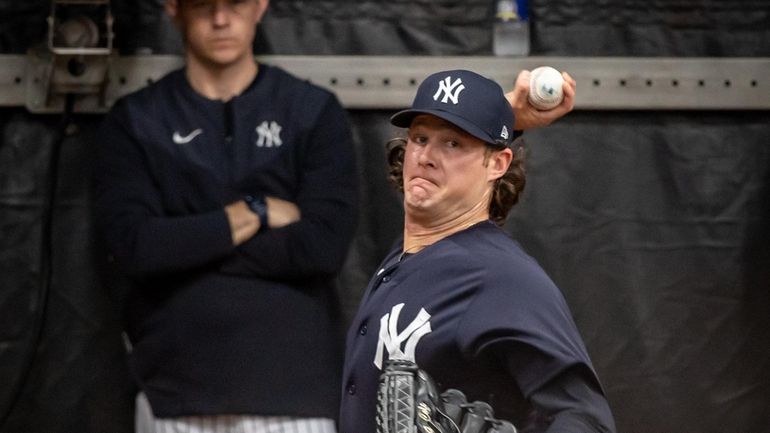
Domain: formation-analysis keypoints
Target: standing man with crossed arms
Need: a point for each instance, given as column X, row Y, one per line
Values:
column 227, row 192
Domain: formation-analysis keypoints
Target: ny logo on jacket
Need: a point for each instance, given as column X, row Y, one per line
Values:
column 269, row 134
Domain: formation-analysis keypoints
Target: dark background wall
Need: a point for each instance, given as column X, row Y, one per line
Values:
column 655, row 225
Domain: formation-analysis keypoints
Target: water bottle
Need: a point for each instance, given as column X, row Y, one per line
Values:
column 511, row 29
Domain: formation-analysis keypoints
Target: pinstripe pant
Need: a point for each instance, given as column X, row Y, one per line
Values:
column 147, row 423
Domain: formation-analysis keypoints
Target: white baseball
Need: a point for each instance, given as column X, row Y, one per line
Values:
column 545, row 88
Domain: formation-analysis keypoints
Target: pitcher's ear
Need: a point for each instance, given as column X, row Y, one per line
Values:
column 499, row 162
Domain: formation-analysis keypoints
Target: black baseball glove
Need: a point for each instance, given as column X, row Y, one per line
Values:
column 408, row 402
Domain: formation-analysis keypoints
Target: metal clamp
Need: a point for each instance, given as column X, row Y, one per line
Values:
column 76, row 59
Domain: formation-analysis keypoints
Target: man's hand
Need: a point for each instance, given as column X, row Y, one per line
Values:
column 281, row 212
column 527, row 116
column 244, row 223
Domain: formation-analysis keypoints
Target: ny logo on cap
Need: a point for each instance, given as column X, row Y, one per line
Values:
column 451, row 90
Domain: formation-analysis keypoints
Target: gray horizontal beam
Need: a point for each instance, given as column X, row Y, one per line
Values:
column 385, row 82
column 606, row 83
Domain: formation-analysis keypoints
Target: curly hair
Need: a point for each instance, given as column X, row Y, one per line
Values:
column 505, row 193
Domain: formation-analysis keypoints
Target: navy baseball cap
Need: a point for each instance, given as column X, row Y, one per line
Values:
column 475, row 104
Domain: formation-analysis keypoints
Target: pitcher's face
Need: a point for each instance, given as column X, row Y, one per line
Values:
column 446, row 171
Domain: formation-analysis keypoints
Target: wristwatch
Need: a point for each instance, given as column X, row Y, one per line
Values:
column 258, row 205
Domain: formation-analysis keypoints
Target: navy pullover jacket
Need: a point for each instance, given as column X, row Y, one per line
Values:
column 218, row 329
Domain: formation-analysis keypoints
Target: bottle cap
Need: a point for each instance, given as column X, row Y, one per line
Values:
column 507, row 10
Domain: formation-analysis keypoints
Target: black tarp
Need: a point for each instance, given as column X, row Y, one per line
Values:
column 655, row 225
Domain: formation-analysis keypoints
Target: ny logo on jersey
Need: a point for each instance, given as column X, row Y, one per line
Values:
column 391, row 339
column 450, row 89
column 269, row 134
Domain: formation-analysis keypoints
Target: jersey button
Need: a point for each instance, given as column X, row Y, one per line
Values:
column 362, row 330
column 386, row 278
column 229, row 138
column 352, row 389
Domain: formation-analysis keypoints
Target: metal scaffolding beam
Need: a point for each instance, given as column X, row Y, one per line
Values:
column 389, row 82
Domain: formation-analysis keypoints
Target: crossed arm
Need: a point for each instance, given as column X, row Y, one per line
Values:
column 244, row 223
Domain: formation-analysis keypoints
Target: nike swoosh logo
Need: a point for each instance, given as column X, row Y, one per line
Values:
column 179, row 139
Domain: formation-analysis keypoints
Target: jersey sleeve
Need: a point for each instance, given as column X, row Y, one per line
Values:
column 143, row 237
column 328, row 200
column 571, row 402
column 522, row 319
